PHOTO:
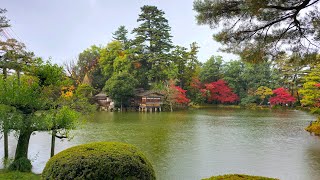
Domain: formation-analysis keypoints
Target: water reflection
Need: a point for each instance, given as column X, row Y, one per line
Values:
column 200, row 143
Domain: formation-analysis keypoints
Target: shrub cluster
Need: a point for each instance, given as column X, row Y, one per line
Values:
column 102, row 160
column 21, row 164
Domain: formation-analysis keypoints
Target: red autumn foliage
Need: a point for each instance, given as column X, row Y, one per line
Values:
column 180, row 96
column 317, row 85
column 196, row 84
column 282, row 96
column 219, row 91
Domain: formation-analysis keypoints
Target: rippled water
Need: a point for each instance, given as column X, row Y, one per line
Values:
column 200, row 143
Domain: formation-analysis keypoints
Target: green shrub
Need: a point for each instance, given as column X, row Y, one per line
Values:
column 238, row 177
column 22, row 165
column 102, row 160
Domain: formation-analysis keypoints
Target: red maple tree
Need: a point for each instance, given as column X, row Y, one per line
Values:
column 219, row 91
column 282, row 96
column 180, row 96
column 176, row 95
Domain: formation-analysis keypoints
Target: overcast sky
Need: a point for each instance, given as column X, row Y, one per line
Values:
column 61, row 29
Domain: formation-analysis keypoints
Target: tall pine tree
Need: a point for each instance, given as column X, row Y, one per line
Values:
column 153, row 41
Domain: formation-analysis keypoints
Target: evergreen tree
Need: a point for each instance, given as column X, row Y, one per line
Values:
column 153, row 42
column 258, row 28
column 121, row 35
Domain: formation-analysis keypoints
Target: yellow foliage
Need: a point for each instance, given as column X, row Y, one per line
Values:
column 263, row 92
column 67, row 92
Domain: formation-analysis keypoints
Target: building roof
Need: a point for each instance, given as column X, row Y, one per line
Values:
column 101, row 96
column 149, row 92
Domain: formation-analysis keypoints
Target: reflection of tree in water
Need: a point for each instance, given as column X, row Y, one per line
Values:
column 161, row 136
column 312, row 156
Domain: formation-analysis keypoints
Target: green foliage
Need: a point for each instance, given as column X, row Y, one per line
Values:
column 49, row 74
column 41, row 101
column 15, row 175
column 256, row 29
column 4, row 22
column 121, row 35
column 245, row 78
column 310, row 92
column 114, row 59
column 22, row 164
column 211, row 70
column 238, row 177
column 153, row 42
column 121, row 87
column 88, row 60
column 248, row 101
column 184, row 65
column 102, row 160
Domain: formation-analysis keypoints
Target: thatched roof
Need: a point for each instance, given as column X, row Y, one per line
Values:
column 100, row 96
column 150, row 92
column 86, row 80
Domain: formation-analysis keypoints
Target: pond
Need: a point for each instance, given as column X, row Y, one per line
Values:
column 200, row 143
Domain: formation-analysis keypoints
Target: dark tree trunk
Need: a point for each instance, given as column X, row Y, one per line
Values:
column 23, row 145
column 53, row 142
column 5, row 132
column 6, row 147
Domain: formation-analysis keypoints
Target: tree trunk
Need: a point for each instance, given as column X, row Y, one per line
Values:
column 6, row 147
column 18, row 75
column 121, row 106
column 53, row 142
column 5, row 132
column 23, row 145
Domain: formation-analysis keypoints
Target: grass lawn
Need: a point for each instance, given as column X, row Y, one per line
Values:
column 15, row 175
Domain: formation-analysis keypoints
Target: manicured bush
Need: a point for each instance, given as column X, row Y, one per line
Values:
column 314, row 127
column 238, row 177
column 101, row 160
column 22, row 165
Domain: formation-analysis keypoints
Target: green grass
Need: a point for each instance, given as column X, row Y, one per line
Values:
column 238, row 177
column 15, row 175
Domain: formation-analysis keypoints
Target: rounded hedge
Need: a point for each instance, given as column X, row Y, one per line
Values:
column 102, row 160
column 238, row 177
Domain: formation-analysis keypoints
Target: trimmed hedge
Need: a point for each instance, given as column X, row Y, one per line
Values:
column 102, row 160
column 238, row 177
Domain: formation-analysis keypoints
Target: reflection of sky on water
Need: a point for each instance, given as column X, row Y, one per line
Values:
column 201, row 143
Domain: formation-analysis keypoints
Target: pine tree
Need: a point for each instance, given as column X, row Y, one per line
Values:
column 121, row 35
column 255, row 29
column 153, row 41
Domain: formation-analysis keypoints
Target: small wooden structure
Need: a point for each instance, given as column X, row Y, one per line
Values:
column 105, row 102
column 149, row 101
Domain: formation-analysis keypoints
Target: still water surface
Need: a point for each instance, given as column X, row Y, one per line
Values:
column 200, row 143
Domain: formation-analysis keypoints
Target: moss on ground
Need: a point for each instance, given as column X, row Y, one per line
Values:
column 16, row 175
column 238, row 177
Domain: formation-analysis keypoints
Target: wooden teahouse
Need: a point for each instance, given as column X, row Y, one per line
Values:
column 149, row 101
column 105, row 102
